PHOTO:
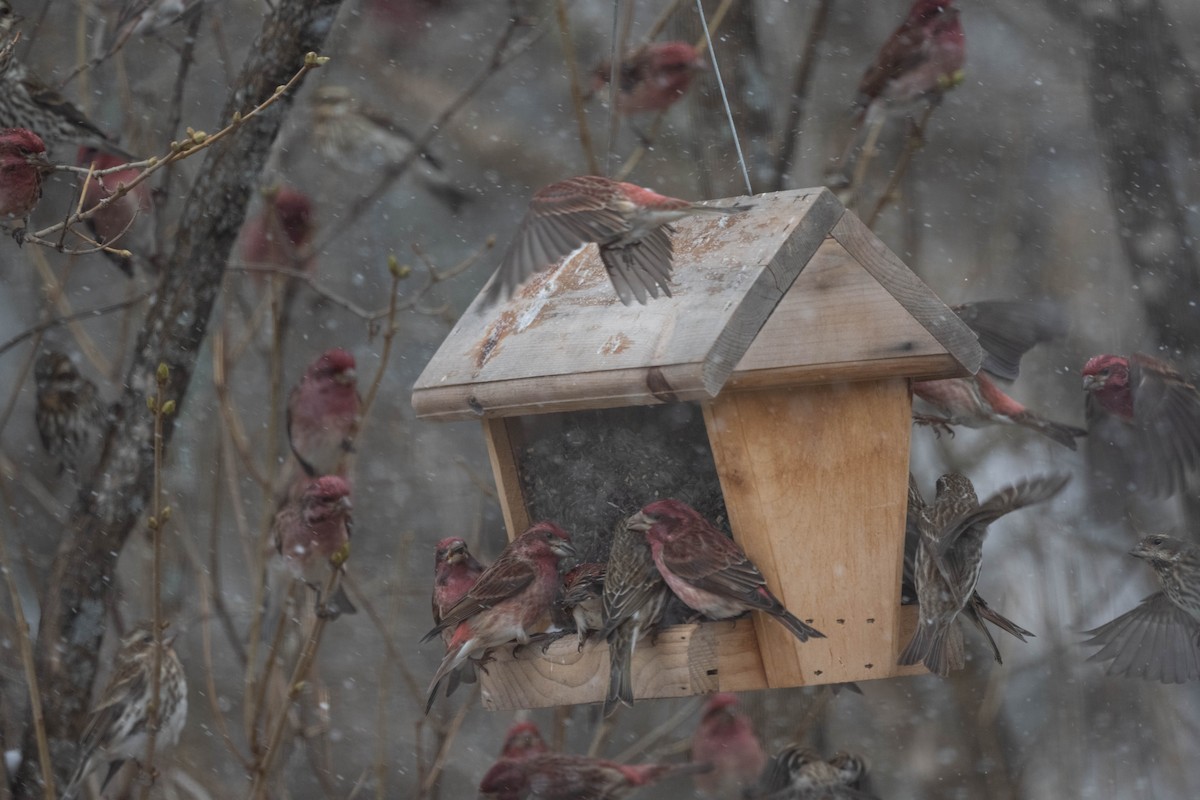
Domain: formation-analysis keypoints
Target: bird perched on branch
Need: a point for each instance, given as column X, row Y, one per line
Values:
column 69, row 414
column 1006, row 331
column 629, row 224
column 22, row 163
column 509, row 601
column 652, row 78
column 1159, row 639
column 706, row 569
column 312, row 535
column 1143, row 422
column 280, row 234
column 26, row 102
column 117, row 728
column 322, row 413
column 949, row 557
column 563, row 776
column 117, row 222
column 349, row 133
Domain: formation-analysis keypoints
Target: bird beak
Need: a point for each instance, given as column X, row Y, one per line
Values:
column 344, row 504
column 346, row 377
column 1138, row 552
column 639, row 522
column 562, row 548
column 1092, row 382
column 456, row 554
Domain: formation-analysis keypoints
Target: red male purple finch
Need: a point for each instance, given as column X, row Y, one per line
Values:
column 117, row 220
column 1143, row 423
column 653, row 78
column 523, row 739
column 455, row 571
column 706, row 569
column 509, row 601
column 630, row 224
column 312, row 535
column 22, row 162
column 279, row 235
column 922, row 58
column 725, row 738
column 322, row 413
column 562, row 776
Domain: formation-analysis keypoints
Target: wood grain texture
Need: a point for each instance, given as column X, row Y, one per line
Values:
column 566, row 333
column 685, row 660
column 502, row 446
column 909, row 290
column 815, row 482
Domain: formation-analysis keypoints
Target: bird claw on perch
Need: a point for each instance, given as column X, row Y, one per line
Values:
column 939, row 424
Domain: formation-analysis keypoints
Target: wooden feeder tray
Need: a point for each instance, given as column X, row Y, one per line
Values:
column 797, row 332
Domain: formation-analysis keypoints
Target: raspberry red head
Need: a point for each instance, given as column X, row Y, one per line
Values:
column 523, row 739
column 21, row 142
column 335, row 365
column 295, row 212
column 329, row 493
column 450, row 550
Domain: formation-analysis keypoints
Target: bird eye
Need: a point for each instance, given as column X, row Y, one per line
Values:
column 1156, row 540
column 1104, row 372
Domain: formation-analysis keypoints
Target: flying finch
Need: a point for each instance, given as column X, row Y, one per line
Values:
column 347, row 132
column 1159, row 639
column 977, row 610
column 635, row 597
column 22, row 162
column 116, row 729
column 706, row 569
column 119, row 219
column 652, row 78
column 455, row 571
column 509, row 601
column 322, row 413
column 629, row 224
column 523, row 739
column 725, row 738
column 312, row 535
column 948, row 560
column 1006, row 330
column 1143, row 423
column 69, row 413
column 562, row 776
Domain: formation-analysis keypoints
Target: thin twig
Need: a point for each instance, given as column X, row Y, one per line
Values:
column 501, row 56
column 35, row 695
column 663, row 19
column 916, row 138
column 568, row 46
column 451, row 733
column 800, row 83
column 89, row 313
column 670, row 725
column 210, row 684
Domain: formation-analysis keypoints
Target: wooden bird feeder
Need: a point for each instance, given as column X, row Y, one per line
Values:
column 796, row 333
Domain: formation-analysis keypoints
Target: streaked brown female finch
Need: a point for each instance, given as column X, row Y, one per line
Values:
column 22, row 162
column 69, row 413
column 1006, row 330
column 581, row 602
column 312, row 535
column 725, row 738
column 1143, row 422
column 508, row 603
column 26, row 102
column 116, row 730
column 563, row 776
column 799, row 773
column 976, row 610
column 1159, row 640
column 279, row 235
column 630, row 224
column 322, row 413
column 635, row 597
column 949, row 558
column 349, row 133
column 117, row 221
column 523, row 739
column 706, row 569
column 653, row 78
column 455, row 571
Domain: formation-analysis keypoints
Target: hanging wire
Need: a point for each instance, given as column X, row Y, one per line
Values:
column 613, row 70
column 712, row 54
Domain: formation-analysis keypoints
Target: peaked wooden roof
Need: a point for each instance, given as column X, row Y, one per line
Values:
column 795, row 290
